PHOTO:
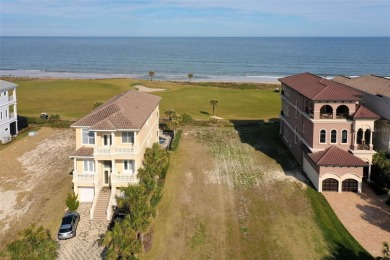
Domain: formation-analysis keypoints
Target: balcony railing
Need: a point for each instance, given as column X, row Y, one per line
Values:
column 341, row 115
column 363, row 147
column 84, row 177
column 326, row 116
column 122, row 177
column 114, row 150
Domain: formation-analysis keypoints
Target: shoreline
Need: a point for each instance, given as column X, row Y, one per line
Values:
column 167, row 78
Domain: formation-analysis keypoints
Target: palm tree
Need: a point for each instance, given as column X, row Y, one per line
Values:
column 122, row 241
column 214, row 103
column 190, row 75
column 151, row 75
column 35, row 243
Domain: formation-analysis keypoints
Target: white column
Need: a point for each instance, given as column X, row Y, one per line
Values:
column 371, row 145
column 340, row 185
column 355, row 139
column 369, row 172
column 360, row 186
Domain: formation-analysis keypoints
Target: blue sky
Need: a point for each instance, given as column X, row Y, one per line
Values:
column 195, row 18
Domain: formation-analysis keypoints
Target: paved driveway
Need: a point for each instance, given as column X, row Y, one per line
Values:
column 84, row 245
column 365, row 215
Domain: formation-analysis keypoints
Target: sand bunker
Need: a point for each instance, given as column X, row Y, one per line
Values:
column 145, row 89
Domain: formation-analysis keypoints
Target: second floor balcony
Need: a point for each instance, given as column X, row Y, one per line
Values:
column 114, row 150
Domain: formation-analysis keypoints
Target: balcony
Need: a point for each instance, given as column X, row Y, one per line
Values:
column 84, row 177
column 114, row 150
column 123, row 178
column 326, row 116
column 341, row 115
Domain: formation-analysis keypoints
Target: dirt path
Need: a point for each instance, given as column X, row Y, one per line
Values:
column 34, row 181
column 365, row 215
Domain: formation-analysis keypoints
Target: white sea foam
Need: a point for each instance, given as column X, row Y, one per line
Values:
column 162, row 76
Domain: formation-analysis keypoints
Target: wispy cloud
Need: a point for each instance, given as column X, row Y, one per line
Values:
column 306, row 15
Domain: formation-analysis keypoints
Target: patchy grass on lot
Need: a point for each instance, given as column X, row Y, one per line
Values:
column 232, row 194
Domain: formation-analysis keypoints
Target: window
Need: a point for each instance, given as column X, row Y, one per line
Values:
column 1, row 115
column 89, row 166
column 88, row 137
column 296, row 134
column 286, row 108
column 344, row 137
column 128, row 137
column 303, row 128
column 323, row 136
column 296, row 113
column 333, row 136
column 6, row 113
column 128, row 165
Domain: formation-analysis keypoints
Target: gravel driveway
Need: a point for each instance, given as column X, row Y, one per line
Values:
column 365, row 215
column 84, row 245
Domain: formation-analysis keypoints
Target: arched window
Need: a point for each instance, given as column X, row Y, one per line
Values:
column 344, row 136
column 326, row 112
column 342, row 111
column 333, row 136
column 323, row 136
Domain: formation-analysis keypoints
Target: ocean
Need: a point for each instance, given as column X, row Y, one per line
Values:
column 208, row 59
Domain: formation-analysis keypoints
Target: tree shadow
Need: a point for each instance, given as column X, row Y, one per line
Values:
column 375, row 215
column 339, row 251
column 204, row 113
column 265, row 138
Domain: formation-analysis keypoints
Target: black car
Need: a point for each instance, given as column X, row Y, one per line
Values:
column 118, row 216
column 68, row 225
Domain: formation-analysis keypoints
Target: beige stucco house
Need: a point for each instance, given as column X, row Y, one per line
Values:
column 328, row 130
column 110, row 147
column 8, row 111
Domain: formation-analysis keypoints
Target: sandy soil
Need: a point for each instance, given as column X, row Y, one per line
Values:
column 147, row 90
column 34, row 181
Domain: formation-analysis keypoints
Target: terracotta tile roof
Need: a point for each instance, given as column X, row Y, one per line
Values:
column 83, row 152
column 371, row 84
column 129, row 110
column 317, row 88
column 334, row 156
column 363, row 112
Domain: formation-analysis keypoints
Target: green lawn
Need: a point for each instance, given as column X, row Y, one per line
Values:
column 73, row 99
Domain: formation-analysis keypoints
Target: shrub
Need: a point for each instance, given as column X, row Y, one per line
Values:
column 175, row 142
column 54, row 118
column 186, row 118
column 377, row 189
column 72, row 201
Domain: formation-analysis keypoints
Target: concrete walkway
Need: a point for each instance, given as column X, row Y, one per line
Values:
column 365, row 215
column 84, row 245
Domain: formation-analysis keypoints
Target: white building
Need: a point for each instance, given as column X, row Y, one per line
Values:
column 376, row 97
column 8, row 111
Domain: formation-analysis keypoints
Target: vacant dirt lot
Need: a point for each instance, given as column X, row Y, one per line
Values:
column 34, row 181
column 228, row 199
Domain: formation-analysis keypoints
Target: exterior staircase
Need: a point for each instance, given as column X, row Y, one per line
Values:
column 101, row 205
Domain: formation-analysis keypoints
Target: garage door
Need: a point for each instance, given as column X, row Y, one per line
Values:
column 350, row 185
column 86, row 194
column 330, row 185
